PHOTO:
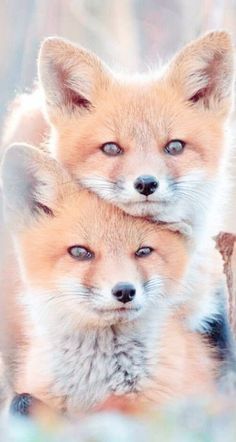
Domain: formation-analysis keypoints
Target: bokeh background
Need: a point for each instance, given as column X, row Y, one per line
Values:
column 131, row 33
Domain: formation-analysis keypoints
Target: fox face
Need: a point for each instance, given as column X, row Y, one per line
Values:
column 83, row 260
column 151, row 144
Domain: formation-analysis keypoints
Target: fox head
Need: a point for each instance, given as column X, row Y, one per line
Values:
column 81, row 258
column 151, row 144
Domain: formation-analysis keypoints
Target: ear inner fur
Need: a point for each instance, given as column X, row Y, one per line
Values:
column 30, row 182
column 203, row 70
column 69, row 74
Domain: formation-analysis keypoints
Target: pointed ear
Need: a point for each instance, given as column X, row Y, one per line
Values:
column 69, row 75
column 30, row 184
column 203, row 71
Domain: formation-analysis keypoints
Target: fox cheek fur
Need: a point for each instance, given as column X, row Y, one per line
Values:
column 116, row 349
column 113, row 275
column 190, row 101
column 87, row 106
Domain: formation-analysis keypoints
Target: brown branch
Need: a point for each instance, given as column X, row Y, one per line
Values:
column 226, row 244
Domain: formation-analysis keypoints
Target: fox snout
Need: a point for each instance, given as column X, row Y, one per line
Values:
column 124, row 292
column 146, row 184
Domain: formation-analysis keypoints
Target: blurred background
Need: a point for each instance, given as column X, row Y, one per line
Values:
column 131, row 33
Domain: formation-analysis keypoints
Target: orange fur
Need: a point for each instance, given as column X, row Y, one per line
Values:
column 81, row 106
column 25, row 122
column 181, row 362
column 87, row 105
column 185, row 370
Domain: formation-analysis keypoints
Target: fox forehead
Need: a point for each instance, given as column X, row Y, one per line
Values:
column 82, row 214
column 141, row 120
column 83, row 218
column 125, row 103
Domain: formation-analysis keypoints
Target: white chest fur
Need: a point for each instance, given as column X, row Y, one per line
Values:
column 90, row 366
column 86, row 367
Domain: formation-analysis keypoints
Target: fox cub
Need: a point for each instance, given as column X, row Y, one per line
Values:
column 105, row 296
column 154, row 144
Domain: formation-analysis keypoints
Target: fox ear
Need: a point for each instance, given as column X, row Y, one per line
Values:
column 203, row 71
column 30, row 182
column 69, row 75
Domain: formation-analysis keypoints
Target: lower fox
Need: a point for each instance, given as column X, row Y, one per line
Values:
column 106, row 297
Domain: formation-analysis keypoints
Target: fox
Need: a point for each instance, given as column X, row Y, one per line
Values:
column 155, row 144
column 104, row 297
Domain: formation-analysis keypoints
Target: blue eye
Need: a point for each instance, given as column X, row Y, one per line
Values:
column 174, row 147
column 80, row 253
column 143, row 251
column 111, row 149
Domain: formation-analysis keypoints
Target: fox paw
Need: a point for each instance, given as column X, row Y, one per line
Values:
column 21, row 404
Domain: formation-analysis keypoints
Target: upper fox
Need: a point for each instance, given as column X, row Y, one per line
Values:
column 153, row 144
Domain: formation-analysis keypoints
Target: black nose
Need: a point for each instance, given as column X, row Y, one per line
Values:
column 124, row 292
column 146, row 184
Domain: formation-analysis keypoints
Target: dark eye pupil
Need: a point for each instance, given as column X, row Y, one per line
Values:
column 80, row 253
column 143, row 251
column 111, row 149
column 174, row 147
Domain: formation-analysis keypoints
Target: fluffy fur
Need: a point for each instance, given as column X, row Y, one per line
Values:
column 84, row 105
column 80, row 105
column 82, row 346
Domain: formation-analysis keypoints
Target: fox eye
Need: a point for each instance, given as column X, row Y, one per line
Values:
column 174, row 147
column 111, row 149
column 143, row 251
column 80, row 253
